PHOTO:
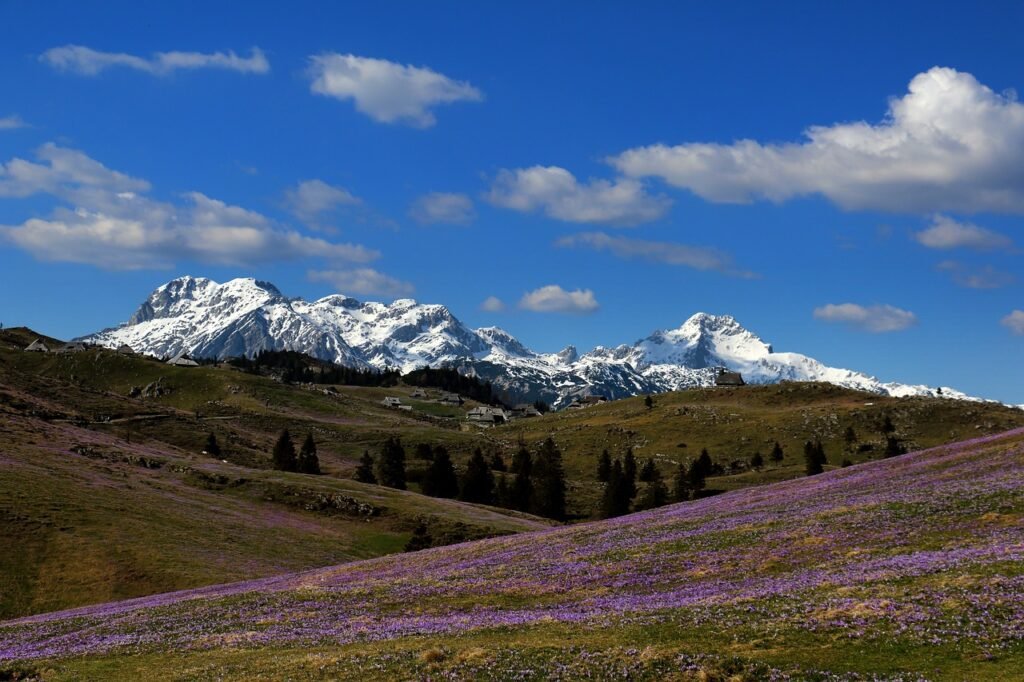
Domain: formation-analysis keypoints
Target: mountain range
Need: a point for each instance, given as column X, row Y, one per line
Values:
column 204, row 318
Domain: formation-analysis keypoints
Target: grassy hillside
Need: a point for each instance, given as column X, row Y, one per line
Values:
column 104, row 497
column 907, row 568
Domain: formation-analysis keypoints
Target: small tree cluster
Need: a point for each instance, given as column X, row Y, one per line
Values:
column 814, row 457
column 477, row 483
column 391, row 465
column 620, row 488
column 440, row 479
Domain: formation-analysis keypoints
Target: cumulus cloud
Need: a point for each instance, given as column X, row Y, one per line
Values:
column 443, row 207
column 1014, row 322
column 12, row 122
column 949, row 144
column 874, row 318
column 386, row 91
column 946, row 233
column 984, row 277
column 363, row 281
column 555, row 299
column 85, row 61
column 696, row 257
column 106, row 220
column 556, row 192
column 492, row 304
column 310, row 199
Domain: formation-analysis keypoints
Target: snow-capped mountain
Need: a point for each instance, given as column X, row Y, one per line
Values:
column 244, row 316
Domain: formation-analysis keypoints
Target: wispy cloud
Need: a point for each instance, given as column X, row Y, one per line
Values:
column 105, row 219
column 85, row 61
column 873, row 318
column 363, row 281
column 555, row 299
column 949, row 144
column 492, row 304
column 556, row 192
column 696, row 257
column 12, row 122
column 946, row 233
column 443, row 207
column 386, row 91
column 984, row 277
column 1014, row 322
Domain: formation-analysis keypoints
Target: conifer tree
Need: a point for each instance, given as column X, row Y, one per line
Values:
column 654, row 495
column 681, row 484
column 814, row 457
column 648, row 471
column 212, row 447
column 391, row 465
column 308, row 462
column 696, row 477
column 648, row 401
column 498, row 462
column 477, row 481
column 893, row 447
column 777, row 454
column 502, row 493
column 614, row 501
column 850, row 436
column 704, row 463
column 423, row 452
column 284, row 453
column 629, row 473
column 521, row 495
column 604, row 467
column 364, row 472
column 549, row 481
column 440, row 479
column 757, row 461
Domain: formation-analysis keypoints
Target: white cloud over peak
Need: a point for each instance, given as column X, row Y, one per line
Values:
column 363, row 281
column 443, row 207
column 555, row 299
column 386, row 91
column 1014, row 322
column 555, row 191
column 949, row 144
column 874, row 318
column 12, row 122
column 492, row 304
column 696, row 257
column 85, row 61
column 946, row 233
column 310, row 199
column 105, row 219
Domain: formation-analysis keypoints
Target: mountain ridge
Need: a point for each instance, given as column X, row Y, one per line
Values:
column 243, row 316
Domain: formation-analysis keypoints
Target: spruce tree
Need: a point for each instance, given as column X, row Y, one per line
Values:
column 308, row 462
column 521, row 495
column 604, row 467
column 777, row 454
column 850, row 436
column 549, row 481
column 705, row 464
column 477, row 481
column 681, row 484
column 502, row 493
column 614, row 501
column 648, row 401
column 364, row 472
column 440, row 479
column 284, row 453
column 423, row 452
column 498, row 462
column 212, row 447
column 695, row 476
column 391, row 465
column 648, row 471
column 814, row 458
column 757, row 461
column 629, row 473
column 654, row 495
column 893, row 447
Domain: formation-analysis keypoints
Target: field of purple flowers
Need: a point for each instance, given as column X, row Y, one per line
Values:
column 906, row 568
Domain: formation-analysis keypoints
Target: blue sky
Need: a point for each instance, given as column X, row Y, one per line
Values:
column 847, row 181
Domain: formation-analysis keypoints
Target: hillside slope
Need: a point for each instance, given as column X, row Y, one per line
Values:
column 907, row 568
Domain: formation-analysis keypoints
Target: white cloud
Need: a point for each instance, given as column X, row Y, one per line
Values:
column 946, row 233
column 12, row 122
column 85, row 61
column 443, row 207
column 557, row 193
column 984, row 277
column 949, row 144
column 696, row 257
column 555, row 299
column 107, row 221
column 310, row 199
column 363, row 281
column 1014, row 322
column 875, row 318
column 492, row 304
column 386, row 91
